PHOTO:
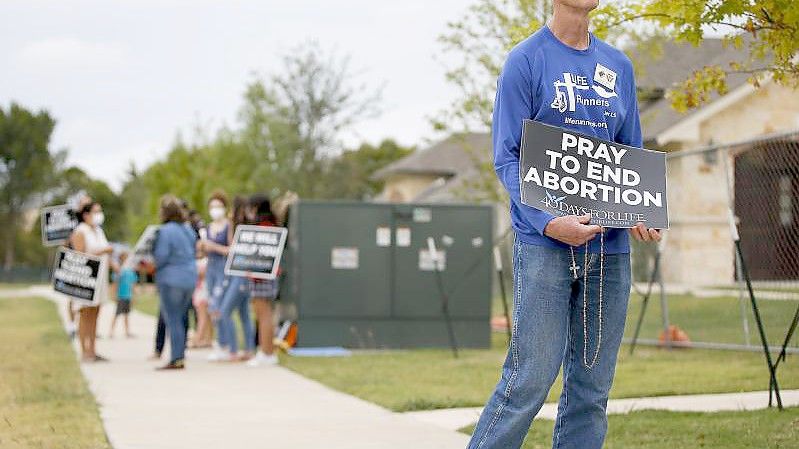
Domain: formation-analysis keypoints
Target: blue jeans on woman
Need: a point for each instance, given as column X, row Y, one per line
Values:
column 237, row 297
column 160, row 331
column 214, row 282
column 548, row 331
column 175, row 302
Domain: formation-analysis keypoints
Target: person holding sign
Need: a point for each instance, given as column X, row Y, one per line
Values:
column 572, row 277
column 76, row 202
column 89, row 238
column 176, row 274
column 263, row 292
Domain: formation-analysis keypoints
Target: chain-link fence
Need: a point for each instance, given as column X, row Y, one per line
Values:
column 705, row 301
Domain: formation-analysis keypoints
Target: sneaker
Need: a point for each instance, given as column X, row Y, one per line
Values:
column 221, row 356
column 216, row 355
column 262, row 359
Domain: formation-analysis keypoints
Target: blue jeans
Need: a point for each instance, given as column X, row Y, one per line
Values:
column 160, row 331
column 547, row 333
column 237, row 297
column 175, row 302
column 214, row 282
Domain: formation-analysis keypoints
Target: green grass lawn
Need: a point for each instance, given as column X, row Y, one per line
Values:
column 44, row 401
column 714, row 319
column 146, row 301
column 15, row 285
column 762, row 429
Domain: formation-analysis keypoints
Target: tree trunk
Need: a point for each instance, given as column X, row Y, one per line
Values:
column 8, row 260
column 11, row 233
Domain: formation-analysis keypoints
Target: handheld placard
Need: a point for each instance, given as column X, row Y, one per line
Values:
column 565, row 172
column 256, row 251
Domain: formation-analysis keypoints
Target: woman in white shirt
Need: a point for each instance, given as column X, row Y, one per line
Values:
column 89, row 238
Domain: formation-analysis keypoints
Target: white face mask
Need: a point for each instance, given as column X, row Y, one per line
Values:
column 98, row 218
column 216, row 213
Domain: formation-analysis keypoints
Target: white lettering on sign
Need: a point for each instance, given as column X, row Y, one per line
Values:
column 586, row 148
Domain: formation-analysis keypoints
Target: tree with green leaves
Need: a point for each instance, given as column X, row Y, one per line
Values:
column 288, row 138
column 26, row 168
column 768, row 29
column 73, row 179
column 480, row 40
column 349, row 175
column 294, row 118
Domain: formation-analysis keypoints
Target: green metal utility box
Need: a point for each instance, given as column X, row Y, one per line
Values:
column 361, row 275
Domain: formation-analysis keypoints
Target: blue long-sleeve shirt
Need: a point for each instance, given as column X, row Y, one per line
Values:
column 174, row 253
column 591, row 91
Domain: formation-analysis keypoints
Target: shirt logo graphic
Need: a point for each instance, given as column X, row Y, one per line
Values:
column 604, row 81
column 566, row 100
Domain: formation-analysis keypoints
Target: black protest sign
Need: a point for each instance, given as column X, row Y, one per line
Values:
column 256, row 251
column 57, row 224
column 564, row 172
column 76, row 274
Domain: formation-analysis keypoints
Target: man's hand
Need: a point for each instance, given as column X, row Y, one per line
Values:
column 643, row 234
column 572, row 230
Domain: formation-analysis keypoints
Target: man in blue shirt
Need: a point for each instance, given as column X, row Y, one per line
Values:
column 572, row 278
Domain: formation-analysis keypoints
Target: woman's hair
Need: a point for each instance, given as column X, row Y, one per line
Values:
column 87, row 208
column 172, row 209
column 240, row 204
column 220, row 196
column 262, row 208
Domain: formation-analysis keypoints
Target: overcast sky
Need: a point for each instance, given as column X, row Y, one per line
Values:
column 123, row 77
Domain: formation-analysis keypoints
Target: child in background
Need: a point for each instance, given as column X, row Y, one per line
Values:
column 126, row 279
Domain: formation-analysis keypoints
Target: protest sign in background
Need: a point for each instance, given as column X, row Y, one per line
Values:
column 57, row 224
column 143, row 251
column 564, row 172
column 256, row 251
column 75, row 274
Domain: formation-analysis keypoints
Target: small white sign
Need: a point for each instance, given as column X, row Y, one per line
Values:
column 403, row 236
column 383, row 236
column 605, row 77
column 344, row 258
column 422, row 214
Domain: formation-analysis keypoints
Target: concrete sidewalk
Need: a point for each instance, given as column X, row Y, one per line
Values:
column 456, row 418
column 231, row 406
